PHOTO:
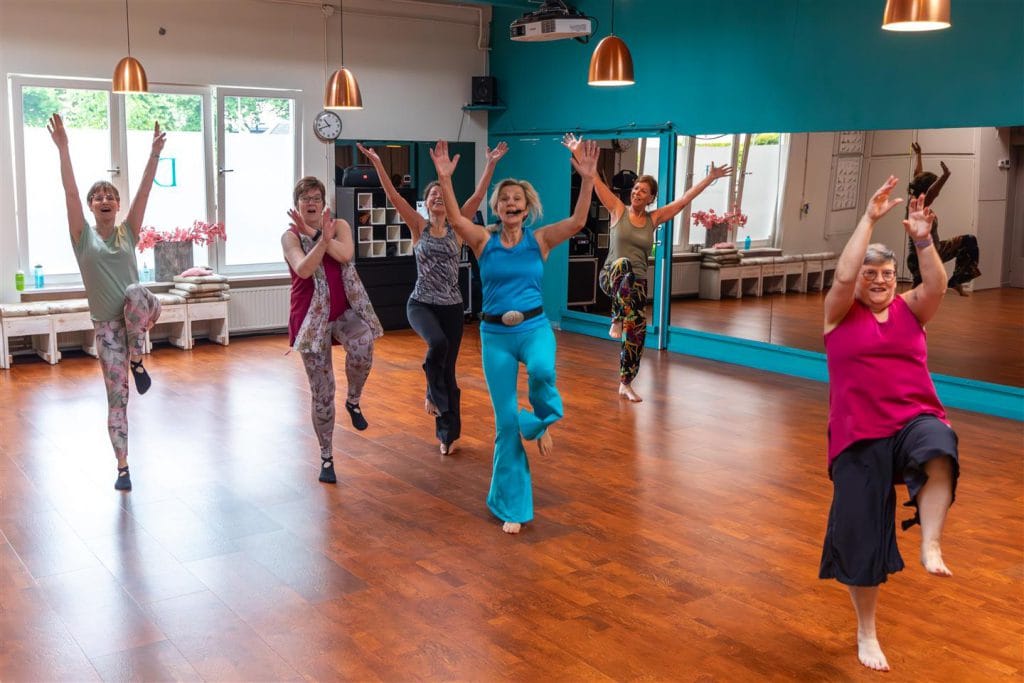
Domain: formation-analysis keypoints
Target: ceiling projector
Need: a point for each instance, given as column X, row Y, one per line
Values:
column 553, row 21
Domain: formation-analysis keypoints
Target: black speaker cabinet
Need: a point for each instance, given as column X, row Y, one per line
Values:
column 485, row 90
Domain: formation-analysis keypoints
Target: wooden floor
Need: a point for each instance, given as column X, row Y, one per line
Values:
column 980, row 337
column 677, row 539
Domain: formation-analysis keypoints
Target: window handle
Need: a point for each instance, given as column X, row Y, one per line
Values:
column 222, row 171
column 114, row 171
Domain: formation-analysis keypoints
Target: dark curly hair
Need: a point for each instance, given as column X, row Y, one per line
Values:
column 921, row 182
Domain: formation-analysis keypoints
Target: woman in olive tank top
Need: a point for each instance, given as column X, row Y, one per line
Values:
column 624, row 275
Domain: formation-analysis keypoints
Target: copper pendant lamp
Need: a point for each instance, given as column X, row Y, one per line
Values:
column 611, row 64
column 342, row 88
column 916, row 15
column 129, row 76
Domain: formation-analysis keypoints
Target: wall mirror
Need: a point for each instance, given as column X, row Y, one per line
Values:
column 802, row 195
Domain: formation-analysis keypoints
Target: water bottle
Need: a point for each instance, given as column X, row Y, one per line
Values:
column 19, row 281
column 147, row 274
column 37, row 275
column 746, row 243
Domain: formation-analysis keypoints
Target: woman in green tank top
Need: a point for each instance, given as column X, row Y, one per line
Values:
column 624, row 275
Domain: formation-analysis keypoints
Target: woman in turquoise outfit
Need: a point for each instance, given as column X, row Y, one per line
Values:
column 514, row 328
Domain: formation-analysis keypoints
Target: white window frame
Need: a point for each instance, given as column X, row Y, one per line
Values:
column 219, row 257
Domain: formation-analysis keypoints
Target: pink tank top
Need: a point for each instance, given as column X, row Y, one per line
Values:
column 878, row 376
column 302, row 295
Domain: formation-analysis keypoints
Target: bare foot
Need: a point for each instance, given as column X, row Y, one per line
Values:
column 961, row 290
column 615, row 331
column 626, row 392
column 931, row 558
column 545, row 444
column 431, row 408
column 447, row 448
column 870, row 654
column 511, row 527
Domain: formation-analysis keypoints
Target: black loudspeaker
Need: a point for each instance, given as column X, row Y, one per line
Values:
column 485, row 90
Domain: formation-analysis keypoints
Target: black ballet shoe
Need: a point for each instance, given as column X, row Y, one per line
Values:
column 124, row 480
column 358, row 421
column 142, row 380
column 327, row 475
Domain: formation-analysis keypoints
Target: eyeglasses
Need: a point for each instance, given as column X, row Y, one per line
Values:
column 870, row 274
column 104, row 198
column 311, row 199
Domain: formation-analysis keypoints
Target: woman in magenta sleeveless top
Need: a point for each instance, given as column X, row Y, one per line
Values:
column 885, row 423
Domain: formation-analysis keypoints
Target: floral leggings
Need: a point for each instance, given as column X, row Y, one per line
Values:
column 356, row 336
column 116, row 341
column 629, row 302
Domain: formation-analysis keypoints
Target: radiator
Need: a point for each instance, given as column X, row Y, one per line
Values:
column 258, row 308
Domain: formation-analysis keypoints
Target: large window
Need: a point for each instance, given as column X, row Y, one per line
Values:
column 43, row 221
column 258, row 168
column 110, row 137
column 762, row 187
column 179, row 193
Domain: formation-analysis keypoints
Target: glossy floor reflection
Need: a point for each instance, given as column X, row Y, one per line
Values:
column 675, row 539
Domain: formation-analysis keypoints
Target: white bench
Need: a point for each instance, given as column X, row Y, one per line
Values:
column 174, row 314
column 27, row 320
column 73, row 316
column 215, row 313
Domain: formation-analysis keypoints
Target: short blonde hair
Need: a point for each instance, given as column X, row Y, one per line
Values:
column 534, row 210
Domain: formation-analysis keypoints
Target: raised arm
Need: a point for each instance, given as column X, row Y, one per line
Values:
column 473, row 235
column 552, row 235
column 915, row 150
column 669, row 211
column 840, row 296
column 493, row 157
column 409, row 215
column 76, row 216
column 305, row 264
column 924, row 299
column 138, row 208
column 609, row 200
column 936, row 188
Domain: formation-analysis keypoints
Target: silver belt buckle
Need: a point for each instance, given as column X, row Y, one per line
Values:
column 512, row 318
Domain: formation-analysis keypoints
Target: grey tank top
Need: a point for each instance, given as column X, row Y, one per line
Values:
column 437, row 268
column 632, row 243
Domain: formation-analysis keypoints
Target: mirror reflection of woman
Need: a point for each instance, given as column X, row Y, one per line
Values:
column 122, row 310
column 623, row 278
column 435, row 309
column 885, row 423
column 963, row 249
column 329, row 305
column 514, row 328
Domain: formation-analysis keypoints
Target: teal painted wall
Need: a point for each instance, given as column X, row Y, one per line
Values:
column 778, row 65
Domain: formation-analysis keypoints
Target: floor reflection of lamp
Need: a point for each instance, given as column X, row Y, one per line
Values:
column 916, row 15
column 342, row 89
column 129, row 76
column 611, row 64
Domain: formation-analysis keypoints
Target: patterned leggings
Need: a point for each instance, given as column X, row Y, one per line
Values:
column 356, row 336
column 963, row 248
column 629, row 301
column 116, row 341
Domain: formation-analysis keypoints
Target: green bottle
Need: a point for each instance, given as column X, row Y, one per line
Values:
column 19, row 281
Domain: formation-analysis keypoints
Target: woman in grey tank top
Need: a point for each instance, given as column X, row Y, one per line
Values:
column 624, row 275
column 435, row 308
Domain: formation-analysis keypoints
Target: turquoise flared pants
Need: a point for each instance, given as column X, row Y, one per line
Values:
column 511, row 494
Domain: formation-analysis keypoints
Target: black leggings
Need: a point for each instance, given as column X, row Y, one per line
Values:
column 441, row 327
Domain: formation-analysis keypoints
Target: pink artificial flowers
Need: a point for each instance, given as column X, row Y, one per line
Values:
column 200, row 232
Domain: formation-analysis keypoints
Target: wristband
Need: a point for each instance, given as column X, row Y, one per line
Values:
column 923, row 244
column 316, row 235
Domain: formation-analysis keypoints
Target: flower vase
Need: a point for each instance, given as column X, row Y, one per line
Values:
column 172, row 258
column 719, row 232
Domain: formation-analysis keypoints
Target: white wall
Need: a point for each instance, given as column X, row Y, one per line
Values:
column 414, row 62
column 974, row 201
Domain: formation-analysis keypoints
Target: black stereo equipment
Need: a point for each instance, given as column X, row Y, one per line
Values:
column 485, row 90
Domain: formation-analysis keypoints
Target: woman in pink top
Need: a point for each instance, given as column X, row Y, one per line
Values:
column 885, row 423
